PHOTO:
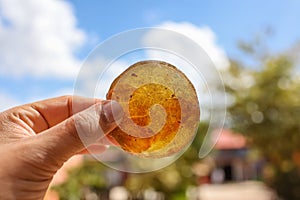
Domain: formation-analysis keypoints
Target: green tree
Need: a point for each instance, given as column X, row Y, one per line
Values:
column 265, row 107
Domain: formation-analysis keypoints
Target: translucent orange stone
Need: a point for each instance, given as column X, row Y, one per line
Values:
column 161, row 109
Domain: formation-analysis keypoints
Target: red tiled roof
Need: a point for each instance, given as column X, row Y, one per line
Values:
column 229, row 140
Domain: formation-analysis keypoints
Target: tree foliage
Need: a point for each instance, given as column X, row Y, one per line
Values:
column 266, row 108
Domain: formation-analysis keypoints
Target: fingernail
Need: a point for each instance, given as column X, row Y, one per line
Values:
column 112, row 111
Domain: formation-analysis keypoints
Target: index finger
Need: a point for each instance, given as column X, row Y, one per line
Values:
column 47, row 113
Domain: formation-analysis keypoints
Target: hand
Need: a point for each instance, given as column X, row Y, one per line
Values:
column 36, row 139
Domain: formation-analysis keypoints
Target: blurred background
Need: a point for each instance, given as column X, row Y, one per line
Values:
column 256, row 48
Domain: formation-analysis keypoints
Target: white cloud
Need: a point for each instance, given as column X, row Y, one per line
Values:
column 38, row 38
column 203, row 36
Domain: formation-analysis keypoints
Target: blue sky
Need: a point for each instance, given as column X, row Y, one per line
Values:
column 231, row 20
column 43, row 43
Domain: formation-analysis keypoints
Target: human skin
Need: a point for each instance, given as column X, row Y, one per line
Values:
column 37, row 138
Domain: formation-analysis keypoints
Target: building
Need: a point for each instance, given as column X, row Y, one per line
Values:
column 231, row 159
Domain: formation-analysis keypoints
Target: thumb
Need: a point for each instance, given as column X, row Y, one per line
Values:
column 81, row 130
